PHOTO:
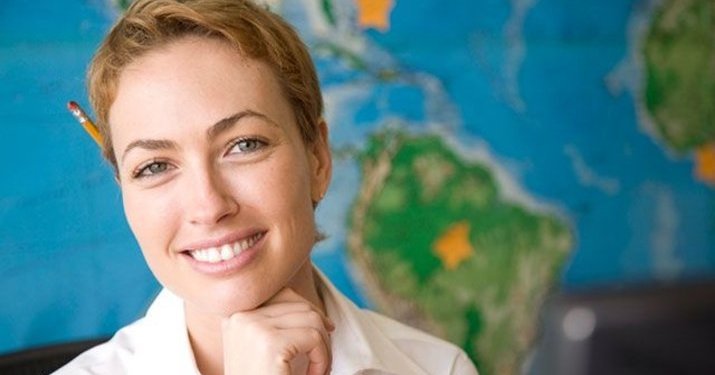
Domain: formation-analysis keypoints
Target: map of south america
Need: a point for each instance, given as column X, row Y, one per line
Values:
column 439, row 247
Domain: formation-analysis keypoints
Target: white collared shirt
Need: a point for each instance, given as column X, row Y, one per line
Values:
column 363, row 342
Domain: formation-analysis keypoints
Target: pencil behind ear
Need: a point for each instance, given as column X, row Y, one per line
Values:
column 85, row 121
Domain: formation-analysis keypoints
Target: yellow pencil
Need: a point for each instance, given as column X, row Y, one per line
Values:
column 85, row 121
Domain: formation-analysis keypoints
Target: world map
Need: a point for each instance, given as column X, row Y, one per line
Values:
column 486, row 154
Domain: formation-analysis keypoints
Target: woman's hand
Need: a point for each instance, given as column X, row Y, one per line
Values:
column 269, row 339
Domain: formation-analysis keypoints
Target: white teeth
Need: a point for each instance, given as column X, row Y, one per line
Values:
column 200, row 255
column 224, row 252
column 214, row 255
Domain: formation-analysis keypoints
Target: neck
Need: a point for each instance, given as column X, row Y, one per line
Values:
column 205, row 327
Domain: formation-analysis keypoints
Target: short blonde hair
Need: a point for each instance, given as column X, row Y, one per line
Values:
column 255, row 31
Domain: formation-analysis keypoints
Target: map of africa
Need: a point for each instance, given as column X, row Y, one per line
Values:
column 486, row 153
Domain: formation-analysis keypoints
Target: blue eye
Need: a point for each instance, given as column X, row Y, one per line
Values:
column 151, row 169
column 246, row 145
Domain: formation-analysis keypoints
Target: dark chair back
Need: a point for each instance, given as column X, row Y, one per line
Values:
column 43, row 360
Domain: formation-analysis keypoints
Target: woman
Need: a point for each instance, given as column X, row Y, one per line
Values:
column 210, row 113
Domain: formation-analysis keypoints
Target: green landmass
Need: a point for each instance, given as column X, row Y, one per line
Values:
column 123, row 4
column 414, row 190
column 340, row 52
column 328, row 11
column 679, row 56
column 353, row 60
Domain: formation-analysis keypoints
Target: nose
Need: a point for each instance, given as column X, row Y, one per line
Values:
column 209, row 199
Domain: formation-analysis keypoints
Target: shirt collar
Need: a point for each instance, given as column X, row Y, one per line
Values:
column 359, row 346
column 168, row 349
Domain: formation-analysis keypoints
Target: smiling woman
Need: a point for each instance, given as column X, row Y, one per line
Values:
column 210, row 114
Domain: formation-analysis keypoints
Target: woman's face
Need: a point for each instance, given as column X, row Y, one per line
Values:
column 216, row 181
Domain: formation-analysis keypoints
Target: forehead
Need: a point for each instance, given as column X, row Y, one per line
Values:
column 194, row 80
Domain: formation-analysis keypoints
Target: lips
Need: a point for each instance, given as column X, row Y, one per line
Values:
column 226, row 251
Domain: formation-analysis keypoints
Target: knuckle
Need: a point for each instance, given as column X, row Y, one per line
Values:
column 315, row 335
column 315, row 318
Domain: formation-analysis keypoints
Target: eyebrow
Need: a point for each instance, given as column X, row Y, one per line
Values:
column 213, row 131
column 149, row 144
column 227, row 123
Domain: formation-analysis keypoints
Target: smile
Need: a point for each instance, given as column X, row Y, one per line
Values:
column 225, row 252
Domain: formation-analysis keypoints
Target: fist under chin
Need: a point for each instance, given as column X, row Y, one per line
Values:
column 299, row 365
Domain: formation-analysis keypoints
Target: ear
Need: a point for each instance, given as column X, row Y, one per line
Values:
column 321, row 163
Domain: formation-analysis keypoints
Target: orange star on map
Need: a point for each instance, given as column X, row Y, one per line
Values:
column 453, row 247
column 705, row 164
column 374, row 13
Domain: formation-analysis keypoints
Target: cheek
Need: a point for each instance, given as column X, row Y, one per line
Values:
column 279, row 191
column 148, row 218
column 287, row 186
column 294, row 206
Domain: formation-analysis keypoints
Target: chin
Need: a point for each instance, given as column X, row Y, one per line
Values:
column 227, row 302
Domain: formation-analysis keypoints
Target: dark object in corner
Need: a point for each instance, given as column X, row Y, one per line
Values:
column 654, row 330
column 43, row 360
